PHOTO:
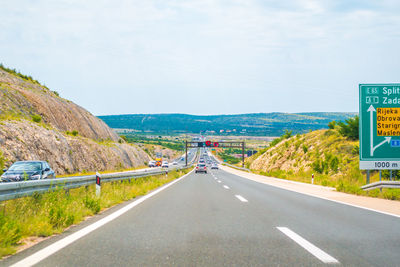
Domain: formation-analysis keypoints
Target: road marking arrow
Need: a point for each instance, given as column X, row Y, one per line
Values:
column 387, row 140
column 371, row 111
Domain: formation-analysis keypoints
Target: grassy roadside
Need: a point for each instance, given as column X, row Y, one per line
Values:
column 43, row 215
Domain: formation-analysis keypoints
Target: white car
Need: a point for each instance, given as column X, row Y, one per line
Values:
column 164, row 164
column 152, row 164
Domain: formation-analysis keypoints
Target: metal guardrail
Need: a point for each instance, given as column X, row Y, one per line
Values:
column 227, row 164
column 15, row 190
column 381, row 184
column 235, row 167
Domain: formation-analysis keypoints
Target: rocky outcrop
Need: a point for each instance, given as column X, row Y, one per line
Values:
column 24, row 140
column 22, row 98
column 36, row 124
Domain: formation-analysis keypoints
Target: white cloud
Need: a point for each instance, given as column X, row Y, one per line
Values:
column 246, row 50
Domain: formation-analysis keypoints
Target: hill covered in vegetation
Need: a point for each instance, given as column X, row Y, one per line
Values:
column 331, row 155
column 269, row 124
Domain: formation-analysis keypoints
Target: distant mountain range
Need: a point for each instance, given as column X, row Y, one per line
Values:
column 266, row 124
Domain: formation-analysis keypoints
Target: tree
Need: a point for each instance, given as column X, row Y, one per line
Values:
column 349, row 128
column 332, row 125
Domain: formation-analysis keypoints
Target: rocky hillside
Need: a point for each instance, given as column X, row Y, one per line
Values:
column 37, row 124
column 327, row 154
column 24, row 98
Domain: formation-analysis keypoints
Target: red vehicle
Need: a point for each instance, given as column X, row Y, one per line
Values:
column 201, row 167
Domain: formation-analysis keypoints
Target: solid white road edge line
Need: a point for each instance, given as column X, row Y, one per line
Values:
column 53, row 248
column 318, row 253
column 219, row 181
column 241, row 198
column 317, row 196
column 226, row 187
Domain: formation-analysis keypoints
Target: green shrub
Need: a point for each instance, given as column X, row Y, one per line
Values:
column 74, row 133
column 59, row 218
column 92, row 204
column 56, row 93
column 350, row 128
column 332, row 125
column 355, row 150
column 10, row 231
column 334, row 164
column 316, row 165
column 305, row 149
column 36, row 118
column 287, row 134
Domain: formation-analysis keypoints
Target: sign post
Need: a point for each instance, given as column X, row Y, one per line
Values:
column 379, row 126
column 98, row 184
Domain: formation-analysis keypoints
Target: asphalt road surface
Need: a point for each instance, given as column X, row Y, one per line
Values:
column 218, row 219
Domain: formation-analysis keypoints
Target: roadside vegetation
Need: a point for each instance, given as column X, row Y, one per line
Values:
column 173, row 144
column 43, row 215
column 19, row 74
column 331, row 155
column 226, row 155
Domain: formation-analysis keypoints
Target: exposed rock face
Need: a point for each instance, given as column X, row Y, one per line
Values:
column 93, row 149
column 24, row 140
column 24, row 98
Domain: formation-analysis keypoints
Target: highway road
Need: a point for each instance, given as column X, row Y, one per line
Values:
column 217, row 219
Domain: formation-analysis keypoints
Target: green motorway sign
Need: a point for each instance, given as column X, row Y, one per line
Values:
column 379, row 126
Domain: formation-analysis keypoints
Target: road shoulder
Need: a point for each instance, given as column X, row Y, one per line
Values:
column 389, row 207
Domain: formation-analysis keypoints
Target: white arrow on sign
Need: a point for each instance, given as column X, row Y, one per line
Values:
column 371, row 111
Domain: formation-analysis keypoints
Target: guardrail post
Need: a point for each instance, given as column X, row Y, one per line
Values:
column 380, row 178
column 391, row 175
column 98, row 184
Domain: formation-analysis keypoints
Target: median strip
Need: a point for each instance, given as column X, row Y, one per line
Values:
column 315, row 251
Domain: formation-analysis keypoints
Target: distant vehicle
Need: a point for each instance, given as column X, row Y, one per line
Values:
column 27, row 170
column 152, row 164
column 214, row 167
column 164, row 164
column 201, row 167
column 158, row 159
column 174, row 163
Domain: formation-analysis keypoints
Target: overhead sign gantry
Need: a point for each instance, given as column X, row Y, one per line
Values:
column 379, row 126
column 222, row 144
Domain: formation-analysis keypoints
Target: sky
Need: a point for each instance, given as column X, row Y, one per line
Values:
column 203, row 56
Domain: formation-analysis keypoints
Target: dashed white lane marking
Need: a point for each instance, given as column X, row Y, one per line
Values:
column 318, row 253
column 241, row 198
column 226, row 187
column 219, row 181
column 53, row 248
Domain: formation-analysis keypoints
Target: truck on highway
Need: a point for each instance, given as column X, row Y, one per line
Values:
column 158, row 159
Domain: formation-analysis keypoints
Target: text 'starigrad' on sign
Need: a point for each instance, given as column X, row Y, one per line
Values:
column 379, row 126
